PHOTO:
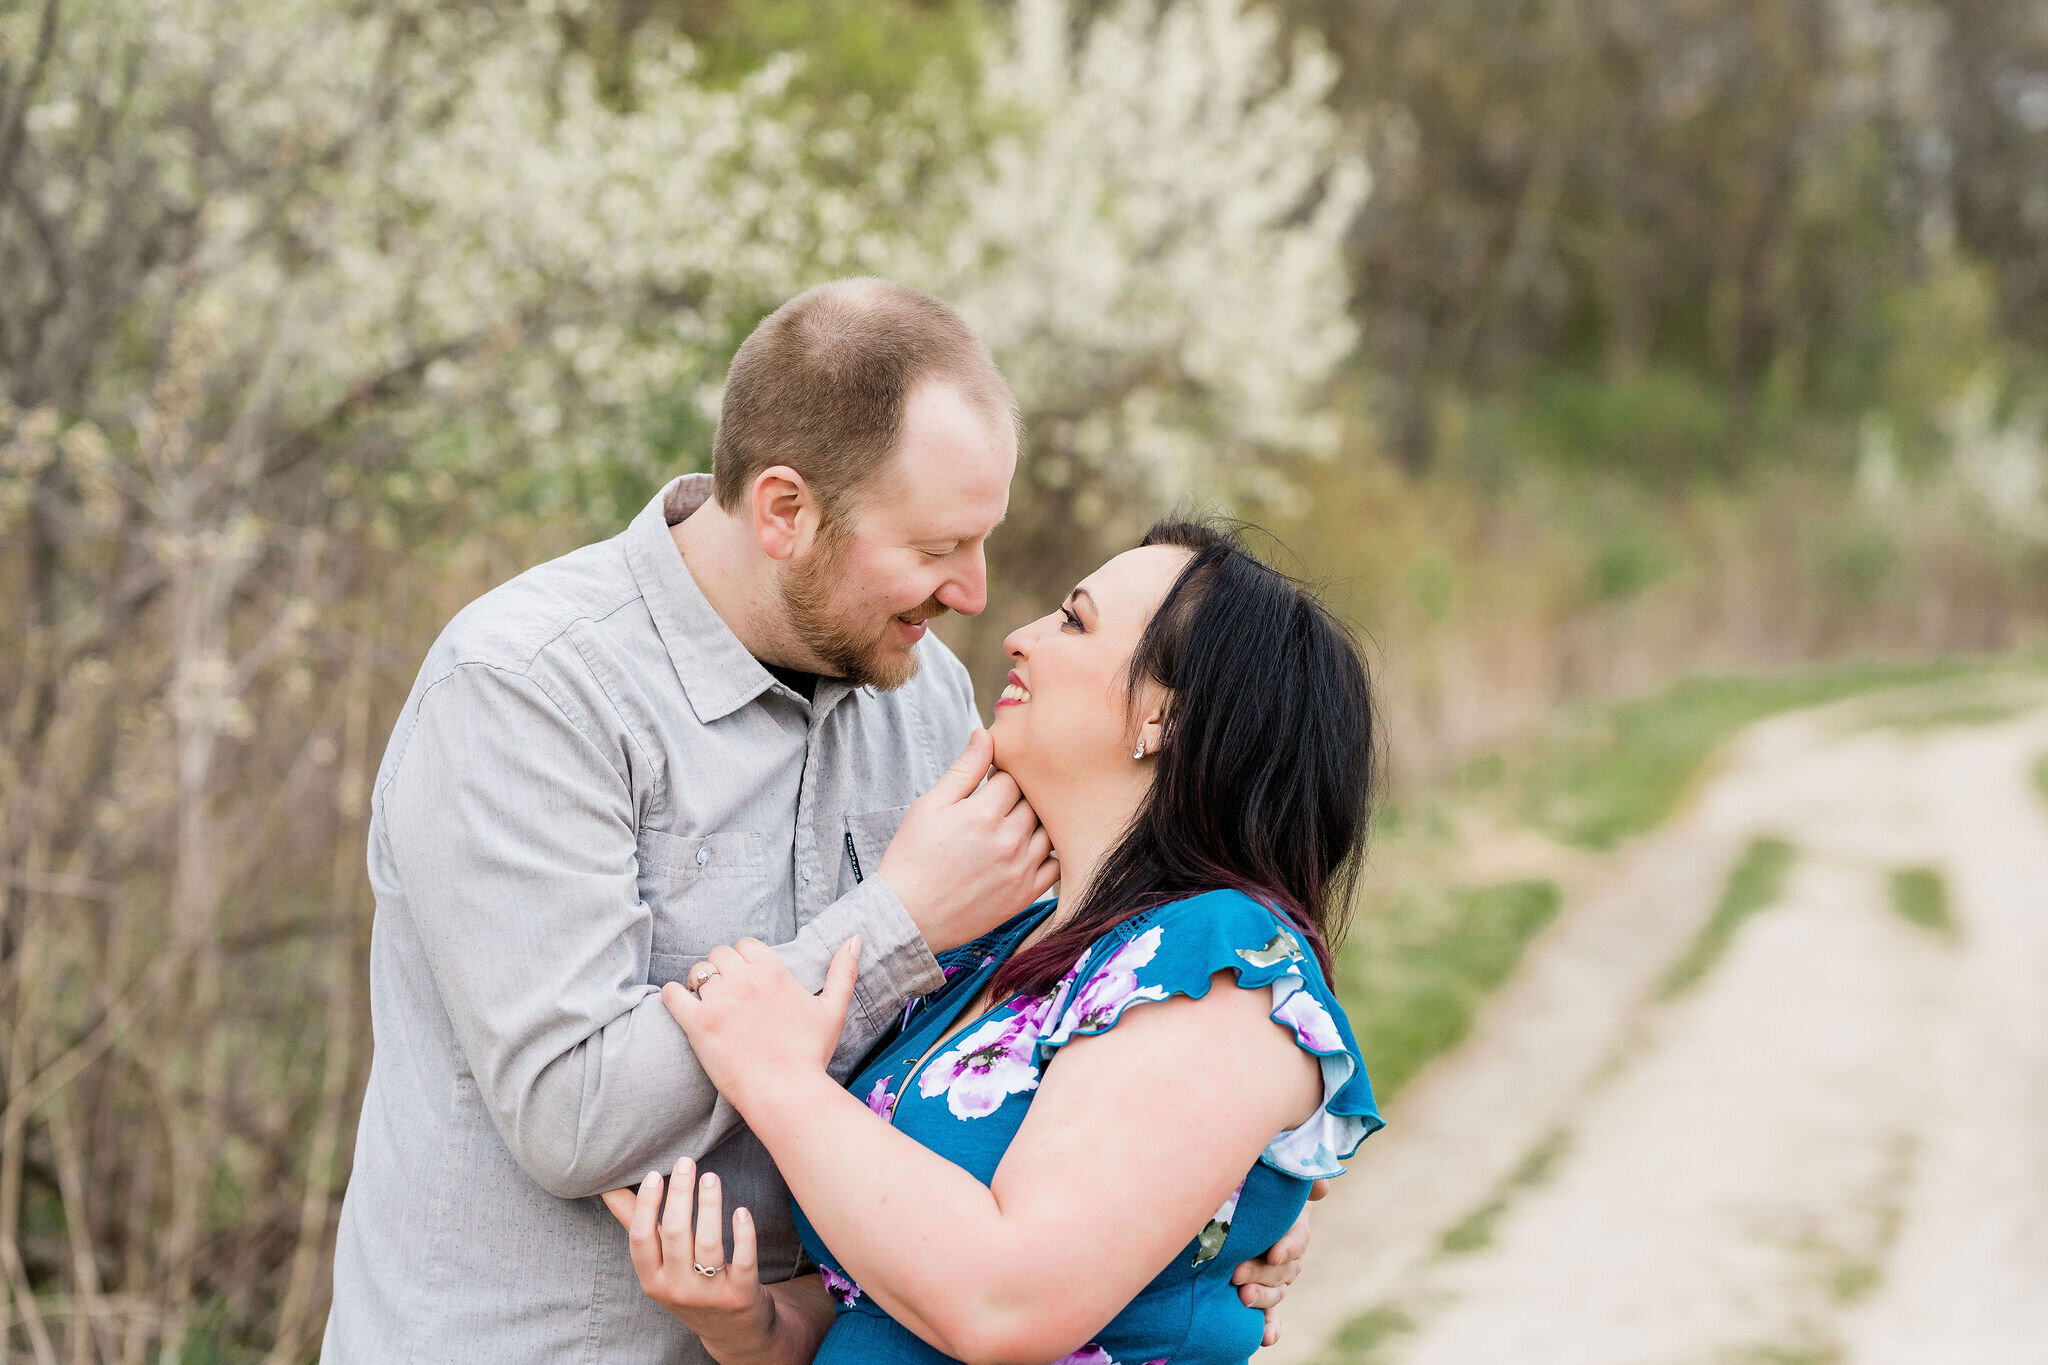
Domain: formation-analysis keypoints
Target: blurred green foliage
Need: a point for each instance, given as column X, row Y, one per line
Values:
column 2041, row 776
column 859, row 55
column 1754, row 883
column 1627, row 565
column 1664, row 427
column 1856, row 562
column 1669, row 237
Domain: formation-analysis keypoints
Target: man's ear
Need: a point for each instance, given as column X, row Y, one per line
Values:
column 785, row 514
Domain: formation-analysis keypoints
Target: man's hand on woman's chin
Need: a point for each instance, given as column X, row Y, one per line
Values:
column 969, row 854
column 1263, row 1283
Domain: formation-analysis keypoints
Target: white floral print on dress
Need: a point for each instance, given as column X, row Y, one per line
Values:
column 992, row 1062
column 1311, row 1023
column 1103, row 997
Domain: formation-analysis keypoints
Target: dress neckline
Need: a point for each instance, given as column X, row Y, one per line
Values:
column 950, row 1025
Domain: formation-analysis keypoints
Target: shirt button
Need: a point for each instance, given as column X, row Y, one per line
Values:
column 807, row 872
column 703, row 855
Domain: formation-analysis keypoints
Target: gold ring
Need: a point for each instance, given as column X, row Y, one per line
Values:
column 700, row 974
column 707, row 1271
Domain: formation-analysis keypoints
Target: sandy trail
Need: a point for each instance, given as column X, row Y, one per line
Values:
column 1835, row 1148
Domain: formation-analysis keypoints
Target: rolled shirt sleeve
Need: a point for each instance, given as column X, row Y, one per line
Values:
column 511, row 826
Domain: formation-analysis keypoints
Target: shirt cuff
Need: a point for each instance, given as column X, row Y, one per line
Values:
column 896, row 963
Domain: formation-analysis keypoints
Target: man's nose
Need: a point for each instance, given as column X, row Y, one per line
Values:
column 967, row 591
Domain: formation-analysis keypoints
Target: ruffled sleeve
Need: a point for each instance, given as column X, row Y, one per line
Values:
column 1177, row 949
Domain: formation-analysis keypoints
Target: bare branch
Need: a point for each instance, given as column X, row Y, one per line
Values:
column 15, row 127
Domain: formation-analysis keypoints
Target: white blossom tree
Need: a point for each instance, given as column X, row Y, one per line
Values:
column 1155, row 255
column 1151, row 242
column 280, row 284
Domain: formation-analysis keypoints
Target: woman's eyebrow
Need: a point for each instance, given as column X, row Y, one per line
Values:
column 1079, row 593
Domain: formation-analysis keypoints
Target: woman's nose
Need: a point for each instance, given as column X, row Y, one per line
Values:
column 1017, row 642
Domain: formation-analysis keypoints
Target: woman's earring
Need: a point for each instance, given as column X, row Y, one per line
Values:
column 1139, row 752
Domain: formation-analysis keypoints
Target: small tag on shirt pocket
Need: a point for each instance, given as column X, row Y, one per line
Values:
column 870, row 831
column 703, row 891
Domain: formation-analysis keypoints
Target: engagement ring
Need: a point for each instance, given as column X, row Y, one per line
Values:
column 700, row 974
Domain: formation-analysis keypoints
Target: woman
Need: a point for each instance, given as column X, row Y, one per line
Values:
column 1116, row 1096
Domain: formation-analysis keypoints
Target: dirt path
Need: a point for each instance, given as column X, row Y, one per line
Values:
column 1835, row 1148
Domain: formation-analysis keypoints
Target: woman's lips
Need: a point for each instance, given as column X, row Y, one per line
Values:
column 1015, row 693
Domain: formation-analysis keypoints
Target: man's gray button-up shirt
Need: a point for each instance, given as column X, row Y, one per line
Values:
column 591, row 785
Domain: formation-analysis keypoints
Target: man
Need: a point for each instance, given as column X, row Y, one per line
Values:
column 711, row 726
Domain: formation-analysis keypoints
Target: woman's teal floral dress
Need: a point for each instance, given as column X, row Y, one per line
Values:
column 967, row 1102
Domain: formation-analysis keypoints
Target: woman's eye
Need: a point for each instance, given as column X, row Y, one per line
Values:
column 1073, row 621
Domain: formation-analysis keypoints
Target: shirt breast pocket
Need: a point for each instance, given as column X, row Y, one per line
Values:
column 702, row 891
column 867, row 837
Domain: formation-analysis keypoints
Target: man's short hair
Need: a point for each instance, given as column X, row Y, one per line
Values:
column 820, row 386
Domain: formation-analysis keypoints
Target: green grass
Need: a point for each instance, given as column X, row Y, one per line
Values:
column 1753, row 883
column 1920, row 895
column 1610, row 772
column 1806, row 1353
column 1364, row 1339
column 1855, row 1281
column 1415, row 972
column 1475, row 1230
column 1915, row 714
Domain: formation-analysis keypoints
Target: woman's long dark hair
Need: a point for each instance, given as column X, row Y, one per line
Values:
column 1267, row 761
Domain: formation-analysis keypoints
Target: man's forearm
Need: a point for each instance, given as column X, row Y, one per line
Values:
column 625, row 1100
column 631, row 1097
column 895, row 963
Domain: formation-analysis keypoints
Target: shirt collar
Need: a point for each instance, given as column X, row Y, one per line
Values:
column 717, row 673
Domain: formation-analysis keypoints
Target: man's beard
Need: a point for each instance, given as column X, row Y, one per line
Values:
column 809, row 596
